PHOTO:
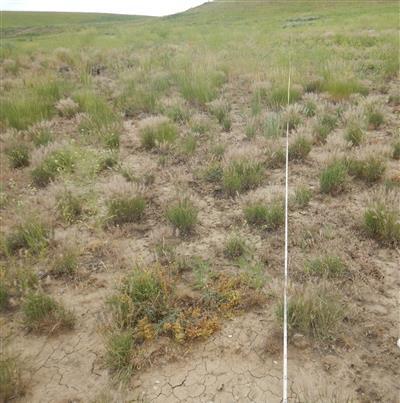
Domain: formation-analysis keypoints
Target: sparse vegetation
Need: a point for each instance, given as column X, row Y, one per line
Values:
column 12, row 385
column 69, row 206
column 66, row 263
column 354, row 134
column 302, row 196
column 370, row 170
column 328, row 266
column 299, row 148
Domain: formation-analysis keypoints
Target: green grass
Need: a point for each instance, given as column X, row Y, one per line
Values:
column 333, row 178
column 315, row 311
column 299, row 148
column 273, row 125
column 42, row 314
column 370, row 169
column 235, row 247
column 12, row 385
column 340, row 90
column 302, row 196
column 396, row 150
column 31, row 235
column 66, row 263
column 381, row 222
column 18, row 156
column 69, row 207
column 157, row 132
column 354, row 134
column 54, row 164
column 328, row 266
column 119, row 353
column 241, row 176
column 123, row 210
column 270, row 216
column 183, row 216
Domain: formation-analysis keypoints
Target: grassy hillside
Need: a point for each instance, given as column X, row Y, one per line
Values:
column 141, row 201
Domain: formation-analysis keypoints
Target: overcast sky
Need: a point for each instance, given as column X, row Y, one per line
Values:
column 141, row 7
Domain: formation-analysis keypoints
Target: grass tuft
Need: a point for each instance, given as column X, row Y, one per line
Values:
column 299, row 149
column 69, row 207
column 302, row 196
column 235, row 247
column 157, row 132
column 241, row 176
column 270, row 217
column 328, row 266
column 354, row 134
column 369, row 170
column 18, row 155
column 11, row 384
column 42, row 314
column 183, row 216
column 333, row 178
column 123, row 210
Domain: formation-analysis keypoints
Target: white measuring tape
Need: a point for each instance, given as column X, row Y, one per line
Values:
column 285, row 355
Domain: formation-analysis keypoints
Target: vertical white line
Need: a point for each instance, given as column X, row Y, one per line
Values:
column 285, row 354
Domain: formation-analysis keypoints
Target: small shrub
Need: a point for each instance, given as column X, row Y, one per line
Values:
column 302, row 196
column 299, row 148
column 333, row 178
column 11, row 383
column 369, row 170
column 241, row 176
column 125, row 210
column 183, row 216
column 235, row 247
column 396, row 150
column 69, row 207
column 213, row 173
column 382, row 222
column 66, row 264
column 156, row 133
column 326, row 266
column 55, row 163
column 271, row 217
column 67, row 107
column 354, row 134
column 18, row 156
column 41, row 313
column 31, row 235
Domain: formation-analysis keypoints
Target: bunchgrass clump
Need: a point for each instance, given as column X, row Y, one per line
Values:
column 315, row 311
column 66, row 263
column 67, row 107
column 119, row 353
column 299, row 148
column 12, row 385
column 269, row 217
column 157, row 132
column 373, row 114
column 291, row 117
column 241, row 176
column 55, row 163
column 302, row 196
column 329, row 266
column 342, row 89
column 43, row 314
column 31, row 235
column 18, row 155
column 183, row 216
column 276, row 158
column 235, row 247
column 396, row 150
column 323, row 126
column 370, row 170
column 123, row 210
column 144, row 293
column 41, row 134
column 333, row 178
column 213, row 172
column 278, row 96
column 69, row 207
column 220, row 109
column 354, row 134
column 188, row 145
column 273, row 125
column 382, row 221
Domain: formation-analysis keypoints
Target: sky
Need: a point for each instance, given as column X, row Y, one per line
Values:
column 138, row 7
